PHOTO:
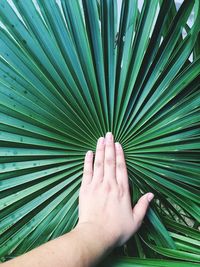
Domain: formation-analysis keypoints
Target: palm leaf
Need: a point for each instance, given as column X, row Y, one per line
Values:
column 129, row 262
column 69, row 72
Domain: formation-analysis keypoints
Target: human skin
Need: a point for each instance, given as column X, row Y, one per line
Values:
column 106, row 217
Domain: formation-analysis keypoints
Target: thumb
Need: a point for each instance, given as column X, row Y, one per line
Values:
column 140, row 209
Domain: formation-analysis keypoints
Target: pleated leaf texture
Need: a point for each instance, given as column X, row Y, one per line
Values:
column 69, row 72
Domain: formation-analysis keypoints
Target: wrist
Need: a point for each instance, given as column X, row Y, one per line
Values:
column 93, row 240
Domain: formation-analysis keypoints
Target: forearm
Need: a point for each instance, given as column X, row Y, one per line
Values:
column 79, row 248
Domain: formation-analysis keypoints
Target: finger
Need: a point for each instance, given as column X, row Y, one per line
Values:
column 109, row 159
column 140, row 209
column 88, row 168
column 121, row 170
column 99, row 161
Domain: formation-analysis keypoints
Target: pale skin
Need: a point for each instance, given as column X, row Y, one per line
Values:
column 106, row 217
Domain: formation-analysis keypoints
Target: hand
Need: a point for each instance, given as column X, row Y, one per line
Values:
column 104, row 201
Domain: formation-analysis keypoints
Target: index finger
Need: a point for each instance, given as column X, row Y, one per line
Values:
column 88, row 168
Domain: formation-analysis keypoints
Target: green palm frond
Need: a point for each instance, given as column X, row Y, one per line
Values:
column 130, row 262
column 69, row 72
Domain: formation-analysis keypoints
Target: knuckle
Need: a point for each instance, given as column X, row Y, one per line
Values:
column 98, row 164
column 110, row 161
column 99, row 179
column 87, row 172
column 121, row 165
column 107, row 187
column 83, row 190
column 109, row 144
column 88, row 161
column 99, row 149
column 112, row 189
column 95, row 187
column 116, row 193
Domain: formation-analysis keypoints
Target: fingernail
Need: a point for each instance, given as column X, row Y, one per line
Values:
column 100, row 141
column 150, row 196
column 118, row 146
column 109, row 137
column 89, row 154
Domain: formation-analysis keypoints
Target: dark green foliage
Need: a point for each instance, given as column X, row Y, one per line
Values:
column 66, row 78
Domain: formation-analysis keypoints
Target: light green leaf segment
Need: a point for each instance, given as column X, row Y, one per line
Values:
column 69, row 72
